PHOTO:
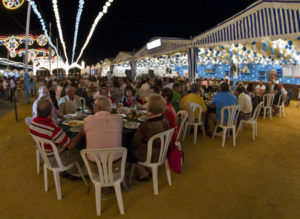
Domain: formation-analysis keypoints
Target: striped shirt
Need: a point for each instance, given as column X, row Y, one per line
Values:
column 45, row 128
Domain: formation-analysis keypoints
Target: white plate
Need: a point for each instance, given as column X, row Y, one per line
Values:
column 132, row 125
column 142, row 119
column 123, row 115
column 75, row 129
column 65, row 122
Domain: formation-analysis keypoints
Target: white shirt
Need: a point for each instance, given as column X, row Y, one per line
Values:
column 145, row 91
column 260, row 89
column 245, row 103
column 12, row 83
column 5, row 84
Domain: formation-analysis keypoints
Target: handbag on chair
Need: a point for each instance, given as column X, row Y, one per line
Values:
column 175, row 157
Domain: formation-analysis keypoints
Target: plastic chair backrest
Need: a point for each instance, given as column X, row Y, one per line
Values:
column 40, row 145
column 28, row 121
column 257, row 111
column 268, row 100
column 182, row 114
column 104, row 159
column 165, row 138
column 191, row 108
column 280, row 100
column 232, row 114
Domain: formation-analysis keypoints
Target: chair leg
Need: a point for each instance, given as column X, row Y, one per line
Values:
column 265, row 113
column 168, row 172
column 233, row 136
column 57, row 184
column 155, row 179
column 81, row 173
column 195, row 133
column 256, row 128
column 37, row 154
column 270, row 110
column 203, row 130
column 215, row 132
column 240, row 127
column 185, row 131
column 131, row 173
column 45, row 178
column 119, row 197
column 98, row 199
column 283, row 111
column 224, row 131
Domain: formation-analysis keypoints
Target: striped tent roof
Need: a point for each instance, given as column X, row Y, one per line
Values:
column 262, row 20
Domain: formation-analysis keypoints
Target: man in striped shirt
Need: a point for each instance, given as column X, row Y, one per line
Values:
column 43, row 127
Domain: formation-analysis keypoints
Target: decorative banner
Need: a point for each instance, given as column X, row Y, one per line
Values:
column 12, row 4
column 13, row 42
column 42, row 40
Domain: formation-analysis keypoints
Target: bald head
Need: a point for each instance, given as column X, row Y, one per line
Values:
column 44, row 108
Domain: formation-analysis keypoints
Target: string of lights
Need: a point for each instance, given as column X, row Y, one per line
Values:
column 38, row 14
column 58, row 24
column 79, row 13
column 96, row 21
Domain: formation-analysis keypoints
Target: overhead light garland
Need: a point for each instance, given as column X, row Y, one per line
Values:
column 79, row 13
column 96, row 21
column 38, row 14
column 57, row 17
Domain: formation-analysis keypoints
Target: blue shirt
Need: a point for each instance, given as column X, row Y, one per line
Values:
column 223, row 99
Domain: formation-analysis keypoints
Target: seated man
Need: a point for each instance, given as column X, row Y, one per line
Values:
column 103, row 129
column 44, row 93
column 224, row 98
column 260, row 88
column 70, row 103
column 193, row 97
column 245, row 104
column 42, row 126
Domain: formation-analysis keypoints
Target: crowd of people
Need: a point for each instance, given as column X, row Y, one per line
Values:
column 161, row 97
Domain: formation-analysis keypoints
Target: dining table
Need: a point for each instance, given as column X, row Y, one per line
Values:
column 131, row 118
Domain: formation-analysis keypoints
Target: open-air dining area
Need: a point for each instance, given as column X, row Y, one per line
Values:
column 191, row 126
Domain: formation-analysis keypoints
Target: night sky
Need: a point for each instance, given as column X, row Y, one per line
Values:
column 128, row 25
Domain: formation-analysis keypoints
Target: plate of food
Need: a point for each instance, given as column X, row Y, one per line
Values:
column 75, row 129
column 143, row 118
column 132, row 125
column 75, row 123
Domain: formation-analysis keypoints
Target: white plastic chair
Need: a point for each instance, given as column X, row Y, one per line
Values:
column 268, row 103
column 280, row 105
column 232, row 112
column 191, row 121
column 106, row 177
column 181, row 115
column 252, row 121
column 37, row 153
column 56, row 169
column 165, row 138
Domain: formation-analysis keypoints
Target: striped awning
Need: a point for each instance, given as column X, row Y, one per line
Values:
column 263, row 19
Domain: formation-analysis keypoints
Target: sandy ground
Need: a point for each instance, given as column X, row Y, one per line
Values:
column 255, row 179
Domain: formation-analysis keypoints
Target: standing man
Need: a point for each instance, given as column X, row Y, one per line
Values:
column 12, row 85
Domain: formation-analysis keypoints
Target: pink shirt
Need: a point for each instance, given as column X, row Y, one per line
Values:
column 103, row 130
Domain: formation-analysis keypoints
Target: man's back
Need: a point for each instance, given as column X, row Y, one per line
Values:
column 223, row 99
column 103, row 130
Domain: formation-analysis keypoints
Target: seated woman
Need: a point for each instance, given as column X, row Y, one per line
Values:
column 102, row 92
column 156, row 123
column 277, row 99
column 129, row 98
column 170, row 113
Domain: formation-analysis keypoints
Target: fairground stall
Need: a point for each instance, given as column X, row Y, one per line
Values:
column 247, row 46
column 162, row 56
column 122, row 64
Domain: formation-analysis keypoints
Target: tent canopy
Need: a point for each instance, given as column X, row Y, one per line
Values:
column 168, row 45
column 263, row 19
column 123, row 57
